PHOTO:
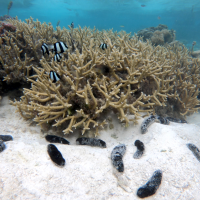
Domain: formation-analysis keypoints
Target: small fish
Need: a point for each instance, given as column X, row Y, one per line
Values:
column 59, row 47
column 103, row 46
column 57, row 57
column 143, row 5
column 45, row 48
column 122, row 26
column 72, row 25
column 158, row 17
column 54, row 76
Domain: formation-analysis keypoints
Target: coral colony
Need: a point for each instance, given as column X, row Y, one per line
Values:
column 127, row 77
column 78, row 76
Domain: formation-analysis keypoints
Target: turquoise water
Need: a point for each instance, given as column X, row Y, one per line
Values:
column 129, row 15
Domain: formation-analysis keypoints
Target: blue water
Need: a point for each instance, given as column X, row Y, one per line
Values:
column 181, row 15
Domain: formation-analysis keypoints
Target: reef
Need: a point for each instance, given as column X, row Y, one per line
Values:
column 159, row 35
column 128, row 78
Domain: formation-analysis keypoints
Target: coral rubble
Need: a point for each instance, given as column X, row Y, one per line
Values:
column 129, row 77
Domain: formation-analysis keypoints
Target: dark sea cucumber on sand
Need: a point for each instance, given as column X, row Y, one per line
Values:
column 147, row 122
column 117, row 155
column 176, row 120
column 151, row 186
column 91, row 142
column 140, row 149
column 2, row 145
column 163, row 120
column 6, row 137
column 56, row 139
column 55, row 155
column 194, row 150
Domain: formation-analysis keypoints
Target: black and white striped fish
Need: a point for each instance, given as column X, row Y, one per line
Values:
column 72, row 25
column 59, row 47
column 103, row 46
column 57, row 57
column 54, row 76
column 45, row 48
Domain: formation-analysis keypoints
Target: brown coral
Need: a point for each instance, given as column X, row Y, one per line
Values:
column 128, row 78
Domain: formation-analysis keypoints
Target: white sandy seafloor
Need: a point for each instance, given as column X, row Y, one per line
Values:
column 26, row 171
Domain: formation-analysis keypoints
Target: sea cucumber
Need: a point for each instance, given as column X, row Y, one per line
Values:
column 91, row 142
column 55, row 155
column 163, row 120
column 140, row 149
column 2, row 145
column 117, row 155
column 56, row 139
column 147, row 122
column 176, row 120
column 6, row 137
column 194, row 150
column 151, row 186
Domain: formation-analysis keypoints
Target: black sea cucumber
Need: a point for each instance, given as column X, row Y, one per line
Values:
column 6, row 137
column 147, row 122
column 91, row 142
column 140, row 149
column 194, row 150
column 117, row 155
column 163, row 120
column 56, row 139
column 55, row 155
column 176, row 120
column 2, row 145
column 151, row 186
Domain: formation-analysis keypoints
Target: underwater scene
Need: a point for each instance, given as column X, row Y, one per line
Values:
column 99, row 99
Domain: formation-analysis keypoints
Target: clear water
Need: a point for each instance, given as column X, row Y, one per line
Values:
column 181, row 15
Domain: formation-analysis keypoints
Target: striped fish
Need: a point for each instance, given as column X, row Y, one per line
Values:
column 45, row 48
column 103, row 46
column 54, row 76
column 57, row 57
column 59, row 47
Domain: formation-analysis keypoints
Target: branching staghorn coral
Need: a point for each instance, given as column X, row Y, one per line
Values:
column 129, row 77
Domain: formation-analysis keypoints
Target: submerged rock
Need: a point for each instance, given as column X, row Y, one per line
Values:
column 55, row 155
column 91, row 142
column 56, row 139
